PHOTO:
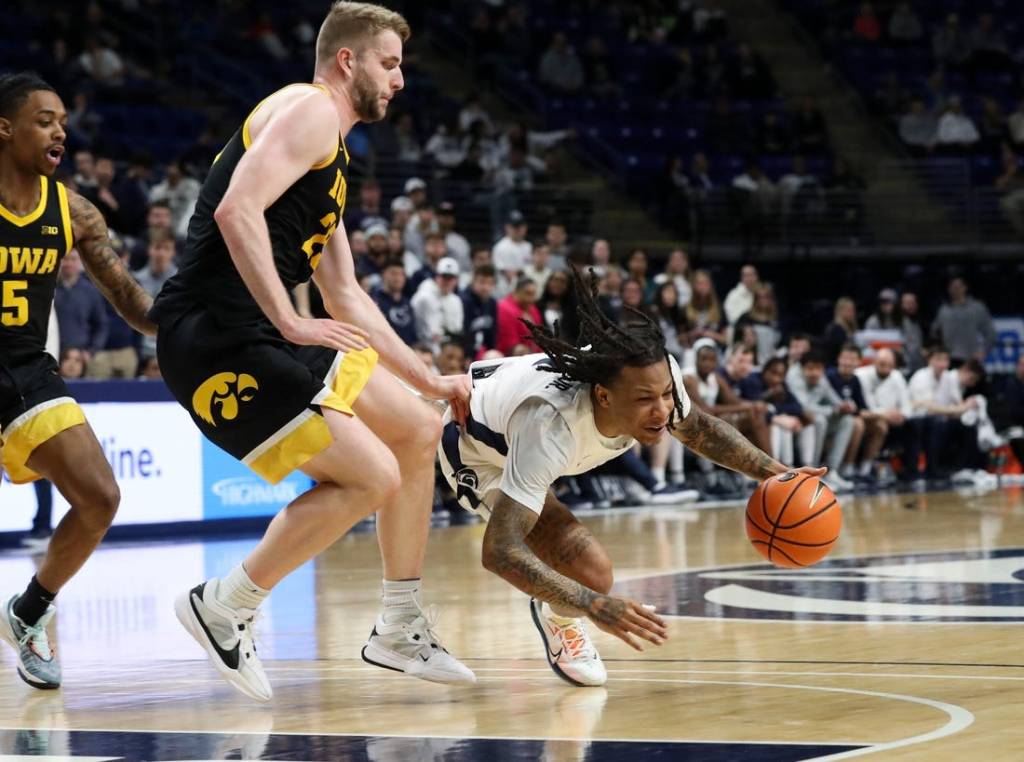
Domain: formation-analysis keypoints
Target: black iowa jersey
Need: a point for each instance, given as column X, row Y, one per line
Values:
column 300, row 222
column 31, row 247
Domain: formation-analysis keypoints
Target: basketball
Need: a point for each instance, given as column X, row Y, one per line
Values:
column 793, row 519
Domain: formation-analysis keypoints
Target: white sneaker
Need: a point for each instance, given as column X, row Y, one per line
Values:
column 413, row 647
column 838, row 484
column 963, row 476
column 227, row 636
column 569, row 650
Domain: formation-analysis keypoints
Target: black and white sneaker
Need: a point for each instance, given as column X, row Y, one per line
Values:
column 227, row 637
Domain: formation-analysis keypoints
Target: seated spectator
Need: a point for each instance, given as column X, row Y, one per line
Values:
column 989, row 49
column 1008, row 410
column 832, row 418
column 763, row 320
column 956, row 132
column 633, row 298
column 866, row 27
column 102, row 63
column 72, row 362
column 755, row 199
column 438, row 309
column 841, row 329
column 512, row 254
column 456, row 244
column 886, row 317
column 408, row 144
column 912, row 330
column 1011, row 184
column 539, row 269
column 636, row 268
column 950, row 44
column 905, row 26
column 557, row 241
column 918, row 128
column 799, row 344
column 601, row 257
column 739, row 364
column 158, row 224
column 885, row 391
column 154, row 275
column 435, row 251
column 809, row 128
column 556, row 301
column 521, row 303
column 869, row 427
column 741, row 298
column 786, row 416
column 480, row 312
column 802, row 200
column 933, row 391
column 421, row 223
column 704, row 313
column 671, row 318
column 181, row 193
column 473, row 111
column 393, row 302
column 445, row 145
column 426, row 355
column 80, row 313
column 451, row 361
column 369, row 209
column 609, row 293
column 560, row 68
column 774, row 138
column 677, row 271
column 963, row 325
column 708, row 389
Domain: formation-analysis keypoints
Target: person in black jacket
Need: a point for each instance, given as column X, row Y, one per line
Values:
column 480, row 312
column 393, row 302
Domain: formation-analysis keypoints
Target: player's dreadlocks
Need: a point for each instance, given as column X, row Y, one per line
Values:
column 15, row 88
column 603, row 348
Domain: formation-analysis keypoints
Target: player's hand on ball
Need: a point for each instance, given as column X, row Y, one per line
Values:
column 334, row 334
column 628, row 620
column 810, row 470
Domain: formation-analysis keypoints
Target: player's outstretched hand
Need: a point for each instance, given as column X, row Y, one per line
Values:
column 333, row 334
column 811, row 470
column 456, row 390
column 629, row 621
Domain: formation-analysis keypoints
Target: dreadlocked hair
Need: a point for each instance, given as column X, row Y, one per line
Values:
column 603, row 347
column 15, row 89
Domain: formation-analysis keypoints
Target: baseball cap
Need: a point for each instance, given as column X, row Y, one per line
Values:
column 414, row 184
column 376, row 229
column 887, row 295
column 448, row 266
column 515, row 217
column 402, row 204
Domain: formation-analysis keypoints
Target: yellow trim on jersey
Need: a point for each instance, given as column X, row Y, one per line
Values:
column 28, row 434
column 35, row 214
column 307, row 434
column 65, row 215
column 247, row 136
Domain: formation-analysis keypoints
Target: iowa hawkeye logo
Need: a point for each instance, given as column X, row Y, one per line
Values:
column 982, row 586
column 221, row 395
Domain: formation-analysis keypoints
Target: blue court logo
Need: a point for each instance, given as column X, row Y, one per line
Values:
column 981, row 586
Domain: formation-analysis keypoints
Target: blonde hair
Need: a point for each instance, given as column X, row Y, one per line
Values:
column 709, row 304
column 772, row 314
column 841, row 302
column 348, row 24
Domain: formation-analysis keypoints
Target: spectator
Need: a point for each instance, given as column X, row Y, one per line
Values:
column 741, row 298
column 421, row 224
column 521, row 303
column 706, row 386
column 930, row 394
column 885, row 391
column 435, row 250
column 72, row 363
column 963, row 325
column 609, row 293
column 1016, row 125
column 402, row 209
column 832, row 418
column 556, row 301
column 866, row 26
column 102, row 194
column 102, row 63
column 677, row 272
column 704, row 313
column 739, row 364
column 1011, row 184
column 392, row 301
column 557, row 241
column 539, row 269
column 601, row 256
column 798, row 345
column 841, row 329
column 85, row 172
column 181, row 193
column 158, row 225
column 480, row 312
column 560, row 67
column 152, row 278
column 633, row 298
column 774, row 138
column 79, row 306
column 905, row 26
column 445, row 145
column 131, row 189
column 869, row 428
column 371, row 250
column 754, row 195
column 409, row 147
column 479, row 258
column 989, row 49
column 785, row 414
column 119, row 357
column 913, row 332
column 438, row 309
column 671, row 318
column 83, row 119
column 956, row 132
column 451, row 361
column 886, row 317
column 802, row 199
column 455, row 243
column 950, row 45
column 369, row 211
column 763, row 319
column 809, row 128
column 513, row 253
column 636, row 268
column 918, row 128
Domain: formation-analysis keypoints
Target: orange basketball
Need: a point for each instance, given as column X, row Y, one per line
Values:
column 793, row 519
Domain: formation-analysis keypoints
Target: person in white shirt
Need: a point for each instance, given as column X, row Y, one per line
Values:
column 740, row 299
column 677, row 270
column 535, row 418
column 512, row 254
column 539, row 269
column 181, row 193
column 833, row 417
column 456, row 243
column 885, row 391
column 437, row 306
column 956, row 129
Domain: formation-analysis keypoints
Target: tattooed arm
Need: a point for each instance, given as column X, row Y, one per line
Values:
column 506, row 554
column 717, row 441
column 104, row 267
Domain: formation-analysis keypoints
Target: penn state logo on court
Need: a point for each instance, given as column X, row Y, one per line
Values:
column 979, row 586
column 220, row 396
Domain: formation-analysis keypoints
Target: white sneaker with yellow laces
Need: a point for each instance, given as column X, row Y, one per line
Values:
column 569, row 650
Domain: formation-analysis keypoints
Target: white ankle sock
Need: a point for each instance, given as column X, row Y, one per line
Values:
column 659, row 474
column 401, row 599
column 865, row 468
column 237, row 591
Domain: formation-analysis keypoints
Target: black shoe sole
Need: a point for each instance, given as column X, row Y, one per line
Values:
column 38, row 686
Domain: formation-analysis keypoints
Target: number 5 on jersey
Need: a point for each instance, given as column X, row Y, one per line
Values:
column 14, row 310
column 314, row 245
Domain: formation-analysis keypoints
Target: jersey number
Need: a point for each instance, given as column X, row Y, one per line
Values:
column 15, row 308
column 314, row 245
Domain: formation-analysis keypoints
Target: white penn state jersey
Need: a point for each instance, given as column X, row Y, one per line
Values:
column 527, row 427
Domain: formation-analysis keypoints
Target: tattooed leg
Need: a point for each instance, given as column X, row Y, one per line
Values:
column 568, row 547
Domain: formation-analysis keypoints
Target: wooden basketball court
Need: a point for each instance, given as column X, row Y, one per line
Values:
column 905, row 644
